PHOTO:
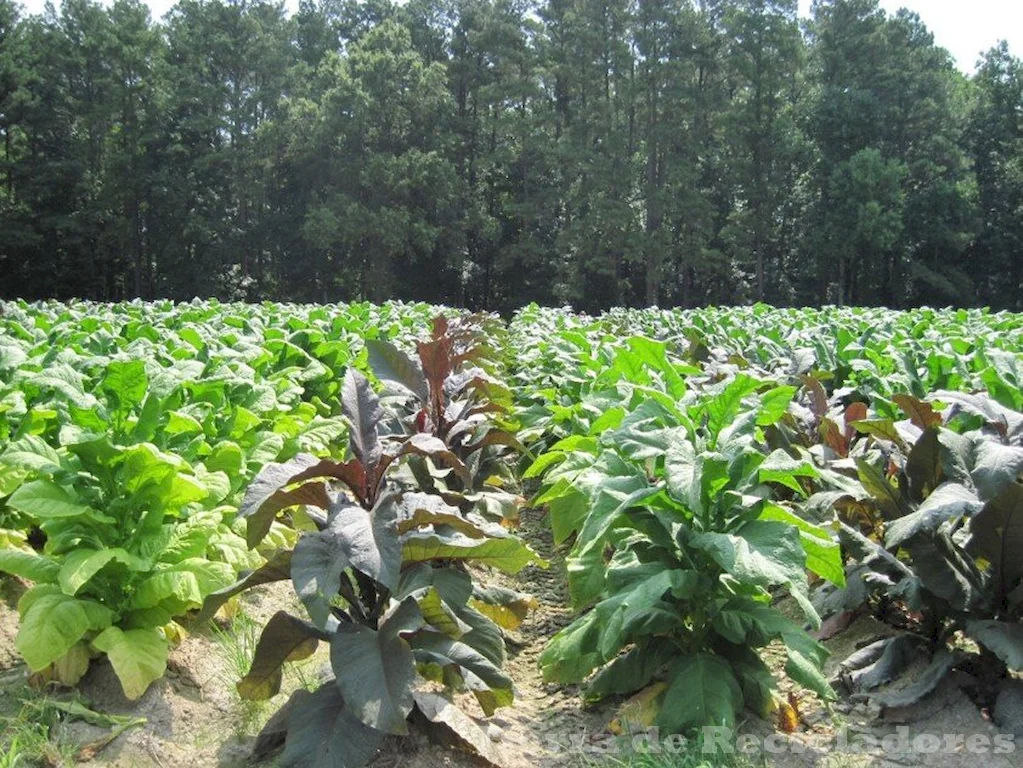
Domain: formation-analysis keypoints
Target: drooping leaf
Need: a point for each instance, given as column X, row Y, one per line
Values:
column 323, row 733
column 509, row 554
column 1003, row 638
column 392, row 366
column 442, row 712
column 138, row 656
column 284, row 638
column 52, row 623
column 376, row 669
column 702, row 690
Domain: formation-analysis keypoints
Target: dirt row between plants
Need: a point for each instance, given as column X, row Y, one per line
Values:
column 193, row 716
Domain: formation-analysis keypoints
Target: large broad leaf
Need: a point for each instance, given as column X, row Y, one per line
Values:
column 995, row 467
column 507, row 554
column 52, row 622
column 182, row 586
column 928, row 681
column 323, row 733
column 702, row 691
column 392, row 366
column 761, row 552
column 505, row 607
column 268, row 494
column 442, row 712
column 823, row 552
column 634, row 669
column 491, row 687
column 369, row 538
column 45, row 500
column 948, row 502
column 81, row 565
column 376, row 669
column 1003, row 638
column 138, row 656
column 435, row 448
column 284, row 638
column 28, row 565
column 877, row 485
column 125, row 383
column 945, row 570
column 361, row 408
column 997, row 536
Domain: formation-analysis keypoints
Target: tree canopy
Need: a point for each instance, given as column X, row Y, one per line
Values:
column 490, row 153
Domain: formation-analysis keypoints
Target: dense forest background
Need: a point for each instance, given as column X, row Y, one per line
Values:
column 495, row 152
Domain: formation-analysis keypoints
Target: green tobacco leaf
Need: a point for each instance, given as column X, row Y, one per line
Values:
column 376, row 669
column 183, row 585
column 761, row 552
column 634, row 669
column 361, row 408
column 724, row 406
column 509, row 555
column 323, row 733
column 774, row 403
column 392, row 365
column 53, row 623
column 781, row 468
column 948, row 502
column 138, row 656
column 126, row 382
column 28, row 565
column 1003, row 638
column 572, row 653
column 702, row 691
column 45, row 500
column 82, row 564
column 284, row 638
column 823, row 552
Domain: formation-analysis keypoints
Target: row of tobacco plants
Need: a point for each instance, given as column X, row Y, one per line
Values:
column 700, row 478
column 725, row 483
column 151, row 454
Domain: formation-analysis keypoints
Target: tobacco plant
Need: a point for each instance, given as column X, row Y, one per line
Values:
column 682, row 542
column 382, row 574
column 934, row 545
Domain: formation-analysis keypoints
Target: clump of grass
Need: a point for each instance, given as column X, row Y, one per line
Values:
column 29, row 733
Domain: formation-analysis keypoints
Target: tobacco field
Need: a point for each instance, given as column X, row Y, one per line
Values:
column 399, row 534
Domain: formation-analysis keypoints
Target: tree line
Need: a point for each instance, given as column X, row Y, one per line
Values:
column 490, row 153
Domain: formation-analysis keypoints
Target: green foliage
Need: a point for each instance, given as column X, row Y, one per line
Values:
column 129, row 435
